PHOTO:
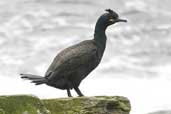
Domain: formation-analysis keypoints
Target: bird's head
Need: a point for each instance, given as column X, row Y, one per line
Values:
column 110, row 17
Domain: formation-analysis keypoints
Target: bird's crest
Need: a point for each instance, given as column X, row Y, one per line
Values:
column 112, row 13
column 109, row 11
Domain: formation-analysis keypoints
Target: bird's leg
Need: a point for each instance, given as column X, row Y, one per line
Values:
column 68, row 87
column 69, row 93
column 78, row 91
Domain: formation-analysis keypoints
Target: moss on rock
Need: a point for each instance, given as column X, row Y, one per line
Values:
column 89, row 105
column 24, row 104
column 21, row 104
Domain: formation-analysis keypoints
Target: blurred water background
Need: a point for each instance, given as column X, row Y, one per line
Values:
column 136, row 63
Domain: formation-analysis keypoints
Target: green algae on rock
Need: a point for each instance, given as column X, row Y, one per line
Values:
column 89, row 105
column 21, row 104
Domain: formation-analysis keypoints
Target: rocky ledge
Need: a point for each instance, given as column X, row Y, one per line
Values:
column 25, row 104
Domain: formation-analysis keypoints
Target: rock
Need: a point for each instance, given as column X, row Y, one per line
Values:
column 89, row 105
column 21, row 105
column 81, row 105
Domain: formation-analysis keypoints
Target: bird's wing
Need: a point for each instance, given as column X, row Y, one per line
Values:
column 71, row 59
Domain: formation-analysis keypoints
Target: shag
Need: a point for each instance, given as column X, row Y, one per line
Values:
column 74, row 63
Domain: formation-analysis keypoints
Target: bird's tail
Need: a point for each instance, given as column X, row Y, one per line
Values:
column 34, row 78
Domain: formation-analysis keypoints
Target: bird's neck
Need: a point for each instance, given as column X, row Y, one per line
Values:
column 100, row 36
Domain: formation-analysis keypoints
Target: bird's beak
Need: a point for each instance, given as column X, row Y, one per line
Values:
column 121, row 20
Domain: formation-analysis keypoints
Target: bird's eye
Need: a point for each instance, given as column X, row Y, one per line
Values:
column 111, row 20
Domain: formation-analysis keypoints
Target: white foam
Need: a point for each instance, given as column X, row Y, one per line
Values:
column 2, row 40
column 11, row 86
column 7, row 59
column 145, row 95
column 136, row 4
column 85, row 25
column 61, row 21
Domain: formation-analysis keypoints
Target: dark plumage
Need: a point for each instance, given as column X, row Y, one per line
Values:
column 74, row 63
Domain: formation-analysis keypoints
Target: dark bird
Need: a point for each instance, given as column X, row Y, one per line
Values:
column 74, row 63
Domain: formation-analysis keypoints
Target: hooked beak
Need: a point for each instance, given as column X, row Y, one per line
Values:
column 121, row 20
